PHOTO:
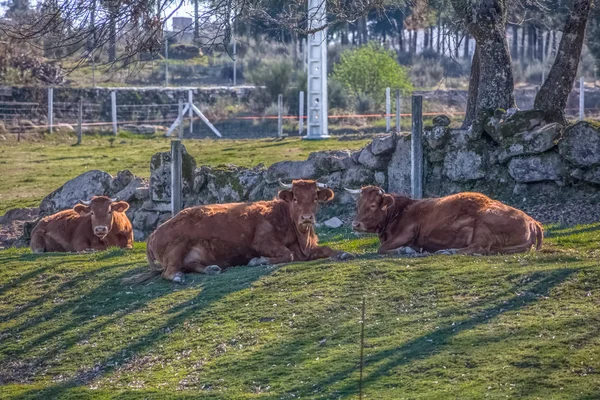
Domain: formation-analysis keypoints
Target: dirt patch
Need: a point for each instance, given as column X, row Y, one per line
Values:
column 12, row 223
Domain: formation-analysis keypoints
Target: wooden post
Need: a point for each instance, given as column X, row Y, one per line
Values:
column 79, row 120
column 417, row 148
column 279, row 115
column 176, row 158
column 50, row 109
column 581, row 99
column 398, row 110
column 180, row 114
column 113, row 104
column 301, row 114
column 388, row 108
column 191, row 101
column 19, row 131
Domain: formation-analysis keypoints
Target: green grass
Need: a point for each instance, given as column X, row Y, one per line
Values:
column 32, row 169
column 523, row 326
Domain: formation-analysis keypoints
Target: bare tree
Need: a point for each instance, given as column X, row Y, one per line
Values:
column 554, row 93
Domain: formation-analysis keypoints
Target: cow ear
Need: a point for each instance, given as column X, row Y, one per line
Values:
column 325, row 194
column 387, row 201
column 119, row 206
column 286, row 195
column 81, row 209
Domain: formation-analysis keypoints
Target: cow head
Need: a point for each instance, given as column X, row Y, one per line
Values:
column 303, row 198
column 372, row 208
column 101, row 209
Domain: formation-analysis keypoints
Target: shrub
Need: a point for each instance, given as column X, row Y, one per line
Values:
column 184, row 51
column 364, row 104
column 368, row 70
column 337, row 95
column 274, row 75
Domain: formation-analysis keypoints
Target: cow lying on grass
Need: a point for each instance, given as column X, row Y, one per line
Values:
column 94, row 225
column 465, row 223
column 209, row 238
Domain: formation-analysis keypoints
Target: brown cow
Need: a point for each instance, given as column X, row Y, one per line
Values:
column 467, row 223
column 94, row 225
column 209, row 238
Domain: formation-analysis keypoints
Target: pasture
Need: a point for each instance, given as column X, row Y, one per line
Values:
column 523, row 326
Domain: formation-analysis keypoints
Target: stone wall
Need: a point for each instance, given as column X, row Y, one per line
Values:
column 512, row 156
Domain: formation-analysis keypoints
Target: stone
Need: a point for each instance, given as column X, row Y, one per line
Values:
column 536, row 141
column 333, row 180
column 357, row 177
column 138, row 236
column 83, row 187
column 382, row 145
column 537, row 168
column 65, row 128
column 441, row 120
column 369, row 160
column 121, row 181
column 160, row 175
column 398, row 170
column 593, row 175
column 436, row 136
column 380, row 178
column 142, row 193
column 333, row 223
column 145, row 221
column 581, row 144
column 226, row 184
column 128, row 192
column 290, row 170
column 464, row 165
column 331, row 161
column 20, row 214
column 141, row 129
column 518, row 122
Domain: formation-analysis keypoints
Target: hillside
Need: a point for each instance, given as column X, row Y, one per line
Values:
column 471, row 327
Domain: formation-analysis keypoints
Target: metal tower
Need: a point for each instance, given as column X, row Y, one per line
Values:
column 317, row 71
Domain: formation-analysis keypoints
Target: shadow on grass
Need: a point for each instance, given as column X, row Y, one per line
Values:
column 557, row 231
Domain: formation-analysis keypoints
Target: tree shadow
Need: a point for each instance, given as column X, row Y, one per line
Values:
column 557, row 232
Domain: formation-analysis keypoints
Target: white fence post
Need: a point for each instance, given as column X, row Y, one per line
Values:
column 50, row 109
column 581, row 99
column 398, row 110
column 388, row 106
column 279, row 115
column 301, row 114
column 113, row 101
column 417, row 148
column 191, row 101
column 79, row 121
column 180, row 114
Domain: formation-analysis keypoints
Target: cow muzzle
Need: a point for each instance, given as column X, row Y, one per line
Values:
column 307, row 219
column 358, row 226
column 101, row 231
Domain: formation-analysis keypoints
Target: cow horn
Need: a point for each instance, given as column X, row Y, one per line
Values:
column 85, row 203
column 353, row 191
column 115, row 199
column 321, row 185
column 284, row 185
column 381, row 192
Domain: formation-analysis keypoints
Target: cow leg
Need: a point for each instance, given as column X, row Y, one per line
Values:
column 38, row 244
column 272, row 253
column 399, row 241
column 202, row 268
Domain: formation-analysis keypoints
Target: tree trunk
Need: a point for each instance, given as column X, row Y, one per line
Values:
column 552, row 96
column 425, row 38
column 553, row 43
column 196, row 22
column 439, row 32
column 431, row 37
column 112, row 39
column 530, row 34
column 456, row 45
column 466, row 44
column 471, row 113
column 514, row 52
column 409, row 47
column 540, row 45
column 344, row 34
column 365, row 30
column 547, row 46
column 415, row 35
column 522, row 50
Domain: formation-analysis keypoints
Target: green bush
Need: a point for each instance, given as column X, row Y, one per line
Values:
column 184, row 51
column 275, row 75
column 368, row 70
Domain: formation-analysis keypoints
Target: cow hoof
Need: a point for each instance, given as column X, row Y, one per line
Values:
column 343, row 256
column 37, row 251
column 179, row 278
column 256, row 261
column 408, row 251
column 447, row 252
column 212, row 270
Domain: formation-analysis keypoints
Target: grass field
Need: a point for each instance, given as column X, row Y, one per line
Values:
column 33, row 168
column 464, row 327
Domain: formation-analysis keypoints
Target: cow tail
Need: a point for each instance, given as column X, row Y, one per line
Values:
column 539, row 236
column 155, row 268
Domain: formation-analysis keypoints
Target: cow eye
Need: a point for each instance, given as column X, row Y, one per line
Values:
column 92, row 214
column 295, row 200
column 316, row 199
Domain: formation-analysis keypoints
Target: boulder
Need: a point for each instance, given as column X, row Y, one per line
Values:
column 357, row 177
column 537, row 168
column 436, row 136
column 441, row 120
column 593, row 175
column 331, row 161
column 160, row 175
column 535, row 141
column 380, row 178
column 398, row 170
column 226, row 184
column 369, row 160
column 121, row 181
column 289, row 170
column 334, row 223
column 128, row 193
column 333, row 180
column 464, row 164
column 83, row 187
column 521, row 121
column 142, row 192
column 581, row 144
column 382, row 145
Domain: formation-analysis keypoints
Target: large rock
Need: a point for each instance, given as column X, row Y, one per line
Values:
column 441, row 120
column 464, row 165
column 535, row 141
column 83, row 187
column 331, row 161
column 436, row 136
column 538, row 168
column 289, row 170
column 593, row 175
column 369, row 160
column 121, row 181
column 356, row 177
column 128, row 193
column 227, row 184
column 521, row 121
column 398, row 171
column 382, row 145
column 160, row 175
column 581, row 145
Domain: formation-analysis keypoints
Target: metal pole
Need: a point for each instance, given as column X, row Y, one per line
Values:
column 234, row 54
column 191, row 101
column 388, row 107
column 581, row 99
column 398, row 111
column 166, row 62
column 417, row 148
column 180, row 114
column 175, row 176
column 279, row 115
column 79, row 121
column 113, row 101
column 50, row 109
column 301, row 114
column 93, row 72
